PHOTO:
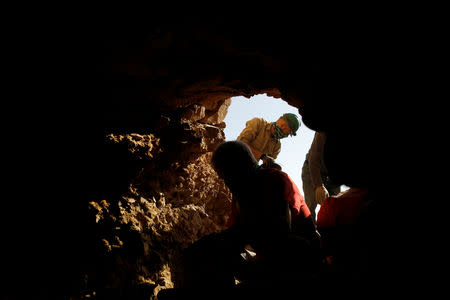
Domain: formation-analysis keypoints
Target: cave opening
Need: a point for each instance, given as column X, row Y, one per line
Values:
column 269, row 108
column 294, row 149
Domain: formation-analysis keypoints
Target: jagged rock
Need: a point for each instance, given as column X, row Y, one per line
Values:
column 218, row 113
column 194, row 113
column 163, row 216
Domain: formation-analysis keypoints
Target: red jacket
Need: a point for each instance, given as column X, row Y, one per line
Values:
column 300, row 214
column 341, row 209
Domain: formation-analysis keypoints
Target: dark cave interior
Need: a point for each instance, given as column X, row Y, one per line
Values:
column 126, row 79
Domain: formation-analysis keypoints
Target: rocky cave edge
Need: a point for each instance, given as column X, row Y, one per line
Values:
column 123, row 180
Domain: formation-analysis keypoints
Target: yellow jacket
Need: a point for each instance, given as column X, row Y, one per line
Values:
column 258, row 134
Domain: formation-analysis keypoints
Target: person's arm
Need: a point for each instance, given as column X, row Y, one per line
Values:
column 315, row 163
column 256, row 153
column 249, row 134
column 315, row 158
column 276, row 151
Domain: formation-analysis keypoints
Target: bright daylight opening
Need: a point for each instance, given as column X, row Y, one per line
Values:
column 293, row 148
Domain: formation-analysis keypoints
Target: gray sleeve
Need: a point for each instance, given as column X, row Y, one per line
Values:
column 315, row 158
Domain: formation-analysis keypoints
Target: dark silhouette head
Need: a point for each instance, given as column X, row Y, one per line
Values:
column 233, row 161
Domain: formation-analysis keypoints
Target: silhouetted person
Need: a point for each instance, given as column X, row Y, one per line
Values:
column 335, row 221
column 354, row 154
column 267, row 208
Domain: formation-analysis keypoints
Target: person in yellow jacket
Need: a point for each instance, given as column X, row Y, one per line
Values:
column 263, row 137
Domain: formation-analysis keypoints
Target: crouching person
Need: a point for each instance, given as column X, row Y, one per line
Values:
column 261, row 222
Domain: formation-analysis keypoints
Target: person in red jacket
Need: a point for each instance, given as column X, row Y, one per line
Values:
column 335, row 222
column 341, row 209
column 301, row 222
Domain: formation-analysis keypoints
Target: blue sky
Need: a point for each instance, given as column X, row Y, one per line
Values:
column 293, row 149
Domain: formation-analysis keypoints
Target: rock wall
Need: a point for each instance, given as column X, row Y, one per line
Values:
column 172, row 199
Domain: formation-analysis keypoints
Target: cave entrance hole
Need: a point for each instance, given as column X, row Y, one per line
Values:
column 293, row 149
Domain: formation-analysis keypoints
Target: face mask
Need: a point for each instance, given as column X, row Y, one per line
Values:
column 278, row 132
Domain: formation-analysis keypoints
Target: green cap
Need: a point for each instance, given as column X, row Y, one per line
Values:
column 293, row 122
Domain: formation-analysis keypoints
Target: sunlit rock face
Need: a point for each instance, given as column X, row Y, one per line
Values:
column 172, row 197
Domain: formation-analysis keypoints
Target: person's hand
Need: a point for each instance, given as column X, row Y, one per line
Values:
column 321, row 194
column 269, row 162
column 266, row 159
